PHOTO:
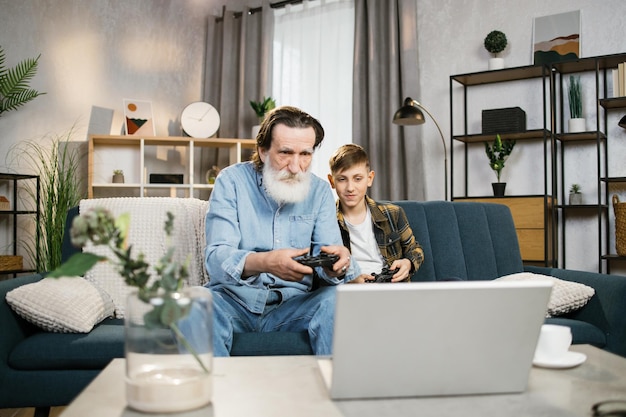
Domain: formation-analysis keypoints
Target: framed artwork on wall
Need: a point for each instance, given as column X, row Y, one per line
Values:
column 556, row 38
column 138, row 118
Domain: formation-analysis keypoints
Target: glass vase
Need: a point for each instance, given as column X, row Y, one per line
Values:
column 169, row 351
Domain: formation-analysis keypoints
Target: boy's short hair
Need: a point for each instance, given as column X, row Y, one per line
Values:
column 348, row 156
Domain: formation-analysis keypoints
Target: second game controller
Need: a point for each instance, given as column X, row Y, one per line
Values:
column 385, row 275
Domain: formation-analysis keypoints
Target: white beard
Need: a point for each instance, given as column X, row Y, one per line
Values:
column 284, row 187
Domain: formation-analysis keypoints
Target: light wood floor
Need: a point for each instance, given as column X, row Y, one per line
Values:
column 27, row 412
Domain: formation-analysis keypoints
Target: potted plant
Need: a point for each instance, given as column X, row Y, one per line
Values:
column 575, row 196
column 494, row 43
column 57, row 159
column 14, row 91
column 168, row 327
column 118, row 176
column 576, row 123
column 498, row 153
column 260, row 109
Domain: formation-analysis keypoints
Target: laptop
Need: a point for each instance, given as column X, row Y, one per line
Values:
column 434, row 338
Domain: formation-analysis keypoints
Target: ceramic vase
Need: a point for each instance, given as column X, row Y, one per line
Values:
column 576, row 125
column 168, row 366
column 496, row 63
column 498, row 188
column 575, row 198
column 255, row 131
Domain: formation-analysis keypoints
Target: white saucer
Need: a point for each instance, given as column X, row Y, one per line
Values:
column 569, row 360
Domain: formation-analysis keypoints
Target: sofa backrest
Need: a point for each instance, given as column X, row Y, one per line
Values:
column 146, row 235
column 463, row 240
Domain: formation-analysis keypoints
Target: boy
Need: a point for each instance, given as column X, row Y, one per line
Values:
column 378, row 235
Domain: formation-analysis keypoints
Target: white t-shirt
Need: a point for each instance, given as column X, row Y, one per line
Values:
column 364, row 247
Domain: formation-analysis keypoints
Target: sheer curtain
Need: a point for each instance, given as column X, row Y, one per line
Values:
column 312, row 68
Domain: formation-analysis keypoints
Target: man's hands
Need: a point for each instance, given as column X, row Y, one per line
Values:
column 280, row 262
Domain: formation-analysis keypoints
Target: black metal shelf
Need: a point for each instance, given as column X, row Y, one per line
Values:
column 532, row 134
column 14, row 213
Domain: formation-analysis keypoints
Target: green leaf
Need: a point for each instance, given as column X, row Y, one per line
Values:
column 122, row 223
column 77, row 265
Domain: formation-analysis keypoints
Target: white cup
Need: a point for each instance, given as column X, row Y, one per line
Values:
column 554, row 342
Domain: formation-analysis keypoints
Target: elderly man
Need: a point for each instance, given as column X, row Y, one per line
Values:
column 262, row 214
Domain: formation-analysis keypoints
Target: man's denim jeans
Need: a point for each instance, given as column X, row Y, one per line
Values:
column 312, row 312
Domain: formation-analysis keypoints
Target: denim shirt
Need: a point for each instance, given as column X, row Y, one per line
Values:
column 242, row 219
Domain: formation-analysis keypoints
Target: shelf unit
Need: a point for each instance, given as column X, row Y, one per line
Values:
column 598, row 139
column 543, row 211
column 139, row 157
column 16, row 210
column 555, row 142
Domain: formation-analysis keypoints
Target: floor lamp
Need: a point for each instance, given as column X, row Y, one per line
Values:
column 410, row 114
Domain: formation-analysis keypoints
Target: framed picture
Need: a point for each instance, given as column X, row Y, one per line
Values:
column 138, row 117
column 556, row 38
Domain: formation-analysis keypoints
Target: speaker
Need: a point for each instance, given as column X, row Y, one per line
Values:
column 507, row 120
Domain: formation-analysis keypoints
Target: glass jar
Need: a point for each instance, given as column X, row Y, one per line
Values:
column 169, row 351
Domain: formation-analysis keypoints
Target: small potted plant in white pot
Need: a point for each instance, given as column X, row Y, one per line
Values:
column 118, row 176
column 576, row 123
column 260, row 109
column 494, row 43
column 575, row 196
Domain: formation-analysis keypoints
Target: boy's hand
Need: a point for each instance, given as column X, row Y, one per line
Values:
column 404, row 269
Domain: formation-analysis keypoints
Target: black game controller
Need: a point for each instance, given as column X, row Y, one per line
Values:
column 323, row 259
column 384, row 276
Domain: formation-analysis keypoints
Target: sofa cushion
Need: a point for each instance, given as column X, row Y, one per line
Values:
column 65, row 305
column 49, row 351
column 566, row 296
column 463, row 240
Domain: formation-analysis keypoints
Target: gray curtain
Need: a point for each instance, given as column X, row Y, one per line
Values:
column 386, row 71
column 238, row 67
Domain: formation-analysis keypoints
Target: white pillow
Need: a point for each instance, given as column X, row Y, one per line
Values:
column 62, row 305
column 566, row 296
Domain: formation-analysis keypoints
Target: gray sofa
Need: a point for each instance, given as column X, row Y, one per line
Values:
column 461, row 240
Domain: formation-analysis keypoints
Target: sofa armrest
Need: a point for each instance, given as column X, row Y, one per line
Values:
column 606, row 309
column 14, row 328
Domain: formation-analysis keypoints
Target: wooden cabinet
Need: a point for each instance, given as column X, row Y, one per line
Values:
column 534, row 225
column 180, row 162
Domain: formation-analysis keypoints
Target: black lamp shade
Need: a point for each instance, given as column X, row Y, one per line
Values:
column 622, row 122
column 409, row 114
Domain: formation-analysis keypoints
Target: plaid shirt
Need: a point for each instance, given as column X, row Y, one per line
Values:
column 395, row 239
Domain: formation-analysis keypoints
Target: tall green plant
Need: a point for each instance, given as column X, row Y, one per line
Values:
column 14, row 89
column 498, row 153
column 575, row 98
column 57, row 162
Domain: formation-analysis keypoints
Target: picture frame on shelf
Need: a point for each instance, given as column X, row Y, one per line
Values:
column 556, row 37
column 138, row 117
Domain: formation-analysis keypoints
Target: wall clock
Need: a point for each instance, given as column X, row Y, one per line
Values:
column 199, row 120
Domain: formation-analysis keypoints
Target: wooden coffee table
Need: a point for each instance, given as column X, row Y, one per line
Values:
column 290, row 386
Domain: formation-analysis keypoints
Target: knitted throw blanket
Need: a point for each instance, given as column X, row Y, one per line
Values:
column 147, row 236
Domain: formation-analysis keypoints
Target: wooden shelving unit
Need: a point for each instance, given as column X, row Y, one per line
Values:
column 139, row 157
